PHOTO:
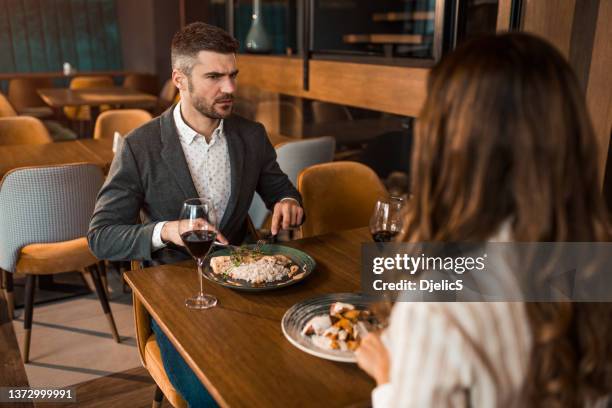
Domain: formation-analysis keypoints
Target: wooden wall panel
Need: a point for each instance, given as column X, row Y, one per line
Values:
column 599, row 89
column 551, row 19
column 583, row 34
column 398, row 90
column 273, row 74
column 504, row 9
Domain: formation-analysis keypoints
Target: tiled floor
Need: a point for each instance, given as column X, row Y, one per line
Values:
column 71, row 341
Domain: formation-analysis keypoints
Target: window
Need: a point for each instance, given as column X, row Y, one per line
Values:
column 266, row 26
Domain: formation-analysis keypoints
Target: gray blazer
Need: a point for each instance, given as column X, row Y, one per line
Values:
column 149, row 178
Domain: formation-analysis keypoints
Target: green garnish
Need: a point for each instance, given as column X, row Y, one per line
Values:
column 239, row 254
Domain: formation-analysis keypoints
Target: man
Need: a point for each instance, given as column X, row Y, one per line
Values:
column 195, row 149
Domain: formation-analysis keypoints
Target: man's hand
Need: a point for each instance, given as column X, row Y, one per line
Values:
column 170, row 233
column 287, row 213
column 373, row 358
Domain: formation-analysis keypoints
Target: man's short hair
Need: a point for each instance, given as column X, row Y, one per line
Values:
column 196, row 37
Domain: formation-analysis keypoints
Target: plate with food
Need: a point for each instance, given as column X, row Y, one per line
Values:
column 257, row 268
column 330, row 326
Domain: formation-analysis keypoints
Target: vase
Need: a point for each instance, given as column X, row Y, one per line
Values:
column 257, row 39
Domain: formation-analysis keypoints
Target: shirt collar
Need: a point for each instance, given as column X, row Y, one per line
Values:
column 186, row 133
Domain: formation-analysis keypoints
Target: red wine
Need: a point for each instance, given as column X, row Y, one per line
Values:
column 198, row 242
column 384, row 236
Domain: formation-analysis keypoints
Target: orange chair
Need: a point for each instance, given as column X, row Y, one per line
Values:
column 120, row 120
column 35, row 243
column 150, row 356
column 23, row 95
column 21, row 130
column 338, row 196
column 82, row 113
column 6, row 109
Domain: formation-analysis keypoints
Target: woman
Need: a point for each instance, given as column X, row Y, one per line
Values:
column 504, row 150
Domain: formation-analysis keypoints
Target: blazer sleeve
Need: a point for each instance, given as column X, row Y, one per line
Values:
column 273, row 184
column 114, row 230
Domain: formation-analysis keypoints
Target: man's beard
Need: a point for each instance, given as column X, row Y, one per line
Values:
column 205, row 109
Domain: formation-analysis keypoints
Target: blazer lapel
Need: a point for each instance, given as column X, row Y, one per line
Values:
column 173, row 155
column 235, row 147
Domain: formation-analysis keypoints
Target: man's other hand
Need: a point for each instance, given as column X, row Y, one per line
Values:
column 287, row 214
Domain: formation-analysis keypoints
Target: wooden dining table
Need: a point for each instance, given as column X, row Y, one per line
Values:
column 62, row 97
column 59, row 98
column 97, row 151
column 238, row 350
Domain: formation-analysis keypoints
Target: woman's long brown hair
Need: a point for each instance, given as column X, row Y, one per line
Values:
column 505, row 136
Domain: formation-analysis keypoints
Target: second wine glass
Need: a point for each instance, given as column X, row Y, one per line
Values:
column 387, row 219
column 198, row 230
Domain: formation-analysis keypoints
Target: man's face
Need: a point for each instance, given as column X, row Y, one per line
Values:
column 210, row 87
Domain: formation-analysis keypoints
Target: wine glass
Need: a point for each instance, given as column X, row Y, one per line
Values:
column 198, row 230
column 387, row 219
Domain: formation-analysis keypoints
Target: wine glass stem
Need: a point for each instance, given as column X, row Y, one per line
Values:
column 200, row 265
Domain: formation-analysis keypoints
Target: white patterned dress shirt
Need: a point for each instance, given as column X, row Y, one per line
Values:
column 208, row 164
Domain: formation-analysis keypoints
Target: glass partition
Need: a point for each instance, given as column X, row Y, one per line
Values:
column 380, row 140
column 386, row 28
column 218, row 13
column 477, row 17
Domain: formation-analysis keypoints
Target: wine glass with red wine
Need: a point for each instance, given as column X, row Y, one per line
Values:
column 387, row 219
column 198, row 229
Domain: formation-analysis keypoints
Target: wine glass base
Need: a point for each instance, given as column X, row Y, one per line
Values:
column 201, row 302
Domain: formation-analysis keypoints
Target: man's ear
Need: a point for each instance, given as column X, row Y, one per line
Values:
column 179, row 79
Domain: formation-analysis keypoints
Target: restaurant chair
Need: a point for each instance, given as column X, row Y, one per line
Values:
column 44, row 217
column 82, row 113
column 338, row 196
column 147, row 83
column 293, row 157
column 6, row 109
column 119, row 120
column 54, row 128
column 20, row 130
column 23, row 95
column 150, row 355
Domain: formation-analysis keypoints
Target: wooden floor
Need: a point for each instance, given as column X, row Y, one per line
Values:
column 133, row 388
column 12, row 372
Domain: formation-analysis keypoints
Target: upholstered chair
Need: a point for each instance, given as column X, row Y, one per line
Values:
column 82, row 113
column 44, row 217
column 119, row 120
column 293, row 157
column 19, row 130
column 6, row 109
column 338, row 196
column 23, row 95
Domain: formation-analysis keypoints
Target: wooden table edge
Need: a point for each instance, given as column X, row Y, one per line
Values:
column 209, row 387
